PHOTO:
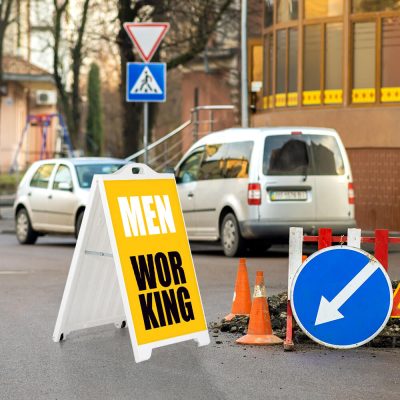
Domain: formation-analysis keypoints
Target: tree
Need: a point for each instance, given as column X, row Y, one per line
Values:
column 192, row 24
column 70, row 104
column 94, row 125
column 6, row 7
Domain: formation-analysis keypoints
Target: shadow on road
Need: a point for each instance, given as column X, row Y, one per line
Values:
column 276, row 251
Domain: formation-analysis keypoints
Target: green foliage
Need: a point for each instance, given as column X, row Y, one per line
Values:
column 9, row 183
column 94, row 123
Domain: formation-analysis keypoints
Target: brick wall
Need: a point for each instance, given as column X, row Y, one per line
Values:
column 376, row 173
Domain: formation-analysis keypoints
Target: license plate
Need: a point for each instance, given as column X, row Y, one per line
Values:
column 295, row 195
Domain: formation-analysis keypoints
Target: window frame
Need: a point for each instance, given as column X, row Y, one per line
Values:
column 50, row 177
column 53, row 181
column 348, row 18
column 194, row 151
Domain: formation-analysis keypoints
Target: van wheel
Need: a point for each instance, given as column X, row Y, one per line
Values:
column 231, row 240
column 78, row 223
column 25, row 233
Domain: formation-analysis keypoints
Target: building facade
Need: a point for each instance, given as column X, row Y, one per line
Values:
column 28, row 87
column 335, row 63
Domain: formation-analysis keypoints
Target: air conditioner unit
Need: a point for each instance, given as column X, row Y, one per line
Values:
column 46, row 97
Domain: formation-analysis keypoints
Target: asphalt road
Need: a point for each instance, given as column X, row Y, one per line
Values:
column 98, row 363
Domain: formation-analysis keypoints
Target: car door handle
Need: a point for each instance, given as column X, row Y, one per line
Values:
column 50, row 196
column 190, row 195
column 30, row 194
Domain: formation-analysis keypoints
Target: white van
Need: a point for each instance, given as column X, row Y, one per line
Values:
column 246, row 187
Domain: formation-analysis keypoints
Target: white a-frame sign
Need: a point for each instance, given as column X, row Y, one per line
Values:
column 132, row 262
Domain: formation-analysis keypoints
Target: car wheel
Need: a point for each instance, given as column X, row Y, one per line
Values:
column 24, row 231
column 232, row 242
column 78, row 223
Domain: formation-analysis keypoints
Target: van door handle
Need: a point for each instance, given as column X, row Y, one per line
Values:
column 30, row 194
column 190, row 195
column 50, row 196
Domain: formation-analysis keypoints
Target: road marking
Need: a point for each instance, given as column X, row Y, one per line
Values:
column 328, row 311
column 14, row 272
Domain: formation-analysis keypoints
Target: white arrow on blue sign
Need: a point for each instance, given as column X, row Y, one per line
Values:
column 341, row 297
column 146, row 82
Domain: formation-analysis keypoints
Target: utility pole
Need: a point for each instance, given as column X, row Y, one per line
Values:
column 245, row 100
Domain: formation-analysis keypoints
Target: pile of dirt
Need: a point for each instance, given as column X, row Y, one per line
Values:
column 389, row 337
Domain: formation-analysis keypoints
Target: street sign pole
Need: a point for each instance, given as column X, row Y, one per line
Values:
column 145, row 130
column 146, row 82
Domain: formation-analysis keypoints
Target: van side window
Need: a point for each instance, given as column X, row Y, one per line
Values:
column 286, row 155
column 213, row 164
column 42, row 176
column 238, row 160
column 189, row 169
column 327, row 157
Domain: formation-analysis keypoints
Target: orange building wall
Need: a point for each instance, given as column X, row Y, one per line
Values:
column 13, row 115
column 357, row 126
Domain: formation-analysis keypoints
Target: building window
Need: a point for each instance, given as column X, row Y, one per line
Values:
column 286, row 68
column 323, row 8
column 280, row 98
column 312, row 65
column 375, row 5
column 333, row 93
column 292, row 73
column 268, row 71
column 287, row 10
column 312, row 60
column 390, row 81
column 268, row 13
column 364, row 54
column 256, row 62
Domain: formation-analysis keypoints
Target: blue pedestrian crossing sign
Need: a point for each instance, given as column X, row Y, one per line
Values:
column 341, row 297
column 146, row 82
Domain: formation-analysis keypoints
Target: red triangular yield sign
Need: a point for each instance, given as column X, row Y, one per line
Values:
column 146, row 36
column 396, row 303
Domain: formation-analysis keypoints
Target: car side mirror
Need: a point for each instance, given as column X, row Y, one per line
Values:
column 65, row 186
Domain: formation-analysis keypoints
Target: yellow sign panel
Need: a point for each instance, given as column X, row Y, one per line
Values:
column 155, row 258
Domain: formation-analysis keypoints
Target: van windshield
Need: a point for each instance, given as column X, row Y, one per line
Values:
column 302, row 155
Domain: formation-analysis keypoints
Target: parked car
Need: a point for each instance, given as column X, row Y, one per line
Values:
column 53, row 194
column 246, row 187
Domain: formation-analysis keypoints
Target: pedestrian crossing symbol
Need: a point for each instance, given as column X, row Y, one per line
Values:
column 146, row 82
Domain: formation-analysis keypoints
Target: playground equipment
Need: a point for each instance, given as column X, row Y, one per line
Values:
column 44, row 122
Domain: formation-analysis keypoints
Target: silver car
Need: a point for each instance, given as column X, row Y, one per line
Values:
column 53, row 194
column 246, row 187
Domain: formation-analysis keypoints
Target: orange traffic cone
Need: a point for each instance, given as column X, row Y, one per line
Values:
column 259, row 330
column 241, row 304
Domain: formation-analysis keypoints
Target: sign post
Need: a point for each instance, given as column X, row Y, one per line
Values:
column 132, row 263
column 341, row 297
column 145, row 131
column 146, row 88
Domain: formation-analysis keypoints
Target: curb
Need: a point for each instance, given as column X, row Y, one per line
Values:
column 7, row 232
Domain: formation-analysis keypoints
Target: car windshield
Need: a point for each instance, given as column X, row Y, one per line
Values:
column 86, row 172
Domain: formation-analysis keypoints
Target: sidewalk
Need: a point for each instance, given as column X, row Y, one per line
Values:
column 6, row 214
column 7, row 220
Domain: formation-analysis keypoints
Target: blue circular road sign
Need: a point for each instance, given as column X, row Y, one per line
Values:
column 341, row 297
